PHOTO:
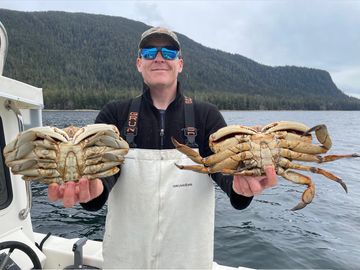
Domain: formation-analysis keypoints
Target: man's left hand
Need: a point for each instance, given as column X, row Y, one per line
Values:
column 254, row 185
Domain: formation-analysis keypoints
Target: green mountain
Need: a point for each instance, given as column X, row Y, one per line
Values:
column 84, row 61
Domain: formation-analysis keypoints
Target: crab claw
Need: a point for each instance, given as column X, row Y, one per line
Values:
column 322, row 135
column 192, row 154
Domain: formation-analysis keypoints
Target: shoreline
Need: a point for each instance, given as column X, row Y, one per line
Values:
column 94, row 110
column 73, row 110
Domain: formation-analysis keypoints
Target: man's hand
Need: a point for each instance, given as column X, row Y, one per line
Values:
column 74, row 192
column 254, row 185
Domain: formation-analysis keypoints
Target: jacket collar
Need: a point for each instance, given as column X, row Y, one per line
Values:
column 178, row 99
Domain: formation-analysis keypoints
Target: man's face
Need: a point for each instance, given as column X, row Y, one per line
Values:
column 159, row 73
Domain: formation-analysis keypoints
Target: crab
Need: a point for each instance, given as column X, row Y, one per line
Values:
column 243, row 150
column 52, row 155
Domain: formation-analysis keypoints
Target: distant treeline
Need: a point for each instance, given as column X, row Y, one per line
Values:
column 83, row 61
column 95, row 99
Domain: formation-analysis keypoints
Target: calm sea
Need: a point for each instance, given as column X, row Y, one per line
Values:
column 324, row 235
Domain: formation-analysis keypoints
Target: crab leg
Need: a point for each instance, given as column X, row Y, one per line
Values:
column 97, row 151
column 192, row 154
column 207, row 170
column 251, row 172
column 98, row 168
column 89, row 130
column 103, row 174
column 221, row 146
column 215, row 158
column 45, row 180
column 298, row 156
column 36, row 149
column 336, row 157
column 43, row 172
column 18, row 166
column 298, row 178
column 307, row 157
column 293, row 137
column 107, row 157
column 231, row 162
column 100, row 139
column 46, row 133
column 248, row 168
column 224, row 166
column 195, row 168
column 285, row 163
column 301, row 147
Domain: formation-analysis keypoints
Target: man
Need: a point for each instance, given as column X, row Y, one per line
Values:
column 158, row 215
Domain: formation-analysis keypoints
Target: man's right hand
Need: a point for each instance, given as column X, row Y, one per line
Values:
column 71, row 193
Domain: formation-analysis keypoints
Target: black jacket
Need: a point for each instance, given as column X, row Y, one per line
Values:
column 207, row 120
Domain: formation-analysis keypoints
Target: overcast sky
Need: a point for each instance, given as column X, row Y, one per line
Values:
column 317, row 34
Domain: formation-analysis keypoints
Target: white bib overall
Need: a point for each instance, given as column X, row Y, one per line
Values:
column 158, row 215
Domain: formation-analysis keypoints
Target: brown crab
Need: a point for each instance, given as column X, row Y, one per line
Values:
column 52, row 155
column 248, row 150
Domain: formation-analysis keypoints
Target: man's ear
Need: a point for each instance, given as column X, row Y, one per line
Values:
column 181, row 65
column 138, row 64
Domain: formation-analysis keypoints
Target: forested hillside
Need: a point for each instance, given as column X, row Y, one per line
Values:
column 83, row 61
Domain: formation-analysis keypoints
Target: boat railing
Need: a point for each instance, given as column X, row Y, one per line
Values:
column 3, row 47
column 10, row 106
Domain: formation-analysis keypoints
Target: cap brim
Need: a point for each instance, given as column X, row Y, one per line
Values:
column 144, row 42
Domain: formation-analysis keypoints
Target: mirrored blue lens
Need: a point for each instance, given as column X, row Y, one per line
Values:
column 169, row 54
column 166, row 53
column 149, row 53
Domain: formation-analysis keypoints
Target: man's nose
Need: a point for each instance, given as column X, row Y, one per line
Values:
column 159, row 57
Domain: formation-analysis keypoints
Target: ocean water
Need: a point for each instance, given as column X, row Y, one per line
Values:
column 266, row 235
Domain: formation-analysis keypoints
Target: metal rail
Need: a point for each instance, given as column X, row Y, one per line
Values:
column 3, row 47
column 10, row 106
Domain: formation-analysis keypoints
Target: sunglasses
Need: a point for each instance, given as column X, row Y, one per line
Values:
column 168, row 53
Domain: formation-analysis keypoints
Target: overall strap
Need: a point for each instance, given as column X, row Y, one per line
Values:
column 190, row 131
column 131, row 128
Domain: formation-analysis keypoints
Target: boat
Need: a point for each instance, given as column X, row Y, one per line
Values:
column 21, row 108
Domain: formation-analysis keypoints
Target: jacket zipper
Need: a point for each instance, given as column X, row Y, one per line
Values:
column 162, row 133
column 162, row 128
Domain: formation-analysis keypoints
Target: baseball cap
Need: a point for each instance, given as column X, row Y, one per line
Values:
column 159, row 32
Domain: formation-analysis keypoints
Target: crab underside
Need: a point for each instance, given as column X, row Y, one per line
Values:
column 53, row 155
column 247, row 151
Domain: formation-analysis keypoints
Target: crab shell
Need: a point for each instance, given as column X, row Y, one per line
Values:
column 53, row 155
column 230, row 135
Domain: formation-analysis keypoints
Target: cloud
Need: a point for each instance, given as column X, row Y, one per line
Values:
column 150, row 13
